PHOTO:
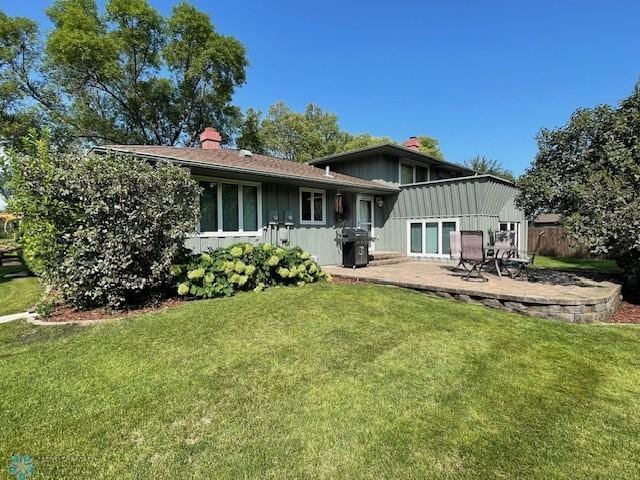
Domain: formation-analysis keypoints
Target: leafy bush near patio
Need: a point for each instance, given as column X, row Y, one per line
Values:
column 589, row 172
column 244, row 266
column 102, row 230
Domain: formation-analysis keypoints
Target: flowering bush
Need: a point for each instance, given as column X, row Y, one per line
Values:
column 224, row 271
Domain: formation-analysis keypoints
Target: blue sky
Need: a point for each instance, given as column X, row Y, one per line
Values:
column 482, row 77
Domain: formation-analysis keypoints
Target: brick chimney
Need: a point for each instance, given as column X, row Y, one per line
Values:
column 210, row 139
column 412, row 143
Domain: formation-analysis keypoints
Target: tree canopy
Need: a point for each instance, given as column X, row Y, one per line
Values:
column 125, row 75
column 304, row 136
column 482, row 164
column 430, row 146
column 589, row 172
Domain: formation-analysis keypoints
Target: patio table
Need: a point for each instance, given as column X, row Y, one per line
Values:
column 499, row 254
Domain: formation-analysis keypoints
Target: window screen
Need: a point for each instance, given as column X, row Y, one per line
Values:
column 416, row 238
column 318, row 207
column 230, row 207
column 432, row 238
column 249, row 208
column 447, row 228
column 406, row 174
column 305, row 201
column 421, row 174
column 208, row 207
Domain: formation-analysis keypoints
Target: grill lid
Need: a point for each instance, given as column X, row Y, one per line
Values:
column 355, row 234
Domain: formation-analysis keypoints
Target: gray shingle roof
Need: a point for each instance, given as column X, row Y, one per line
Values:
column 231, row 160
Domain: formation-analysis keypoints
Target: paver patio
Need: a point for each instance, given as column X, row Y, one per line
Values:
column 582, row 300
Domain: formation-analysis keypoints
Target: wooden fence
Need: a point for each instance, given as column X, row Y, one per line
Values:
column 554, row 243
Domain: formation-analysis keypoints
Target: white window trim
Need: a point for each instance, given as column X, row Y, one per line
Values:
column 368, row 198
column 424, row 221
column 240, row 233
column 517, row 230
column 413, row 166
column 324, row 207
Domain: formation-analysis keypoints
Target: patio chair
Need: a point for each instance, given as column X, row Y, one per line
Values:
column 518, row 265
column 456, row 248
column 502, row 250
column 472, row 252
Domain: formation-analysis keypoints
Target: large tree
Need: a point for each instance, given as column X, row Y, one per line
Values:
column 482, row 164
column 300, row 136
column 307, row 135
column 589, row 172
column 429, row 146
column 362, row 140
column 249, row 137
column 125, row 75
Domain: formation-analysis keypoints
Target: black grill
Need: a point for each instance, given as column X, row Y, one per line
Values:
column 355, row 247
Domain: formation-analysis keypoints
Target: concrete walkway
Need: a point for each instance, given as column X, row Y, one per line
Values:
column 14, row 316
column 584, row 300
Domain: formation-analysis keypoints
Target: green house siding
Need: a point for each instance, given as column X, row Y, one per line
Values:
column 477, row 203
column 386, row 168
column 382, row 168
column 319, row 240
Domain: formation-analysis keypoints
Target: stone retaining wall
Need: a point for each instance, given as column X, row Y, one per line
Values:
column 598, row 308
column 581, row 313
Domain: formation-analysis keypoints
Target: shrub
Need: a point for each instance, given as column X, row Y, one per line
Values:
column 224, row 271
column 102, row 230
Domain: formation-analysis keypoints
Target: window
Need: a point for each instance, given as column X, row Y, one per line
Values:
column 208, row 207
column 421, row 174
column 416, row 238
column 312, row 207
column 413, row 173
column 406, row 173
column 229, row 208
column 430, row 238
column 512, row 227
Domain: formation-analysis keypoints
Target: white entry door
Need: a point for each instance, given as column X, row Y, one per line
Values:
column 364, row 216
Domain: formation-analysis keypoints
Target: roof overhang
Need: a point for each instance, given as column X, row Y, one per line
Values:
column 389, row 149
column 485, row 176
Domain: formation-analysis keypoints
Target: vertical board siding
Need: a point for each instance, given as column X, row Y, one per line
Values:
column 319, row 240
column 379, row 167
column 478, row 204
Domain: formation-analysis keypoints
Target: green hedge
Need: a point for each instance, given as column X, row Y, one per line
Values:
column 244, row 266
column 102, row 230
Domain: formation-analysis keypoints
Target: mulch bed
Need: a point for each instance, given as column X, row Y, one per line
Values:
column 67, row 313
column 629, row 311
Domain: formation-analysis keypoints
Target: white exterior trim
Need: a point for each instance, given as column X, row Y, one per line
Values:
column 324, row 206
column 413, row 165
column 424, row 221
column 517, row 230
column 368, row 198
column 240, row 232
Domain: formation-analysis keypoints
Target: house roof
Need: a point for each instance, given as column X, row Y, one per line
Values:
column 231, row 161
column 389, row 149
column 548, row 218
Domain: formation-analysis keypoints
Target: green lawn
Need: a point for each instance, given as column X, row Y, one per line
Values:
column 17, row 294
column 324, row 381
column 568, row 263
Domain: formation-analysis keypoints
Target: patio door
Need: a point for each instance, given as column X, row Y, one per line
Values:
column 514, row 228
column 365, row 215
